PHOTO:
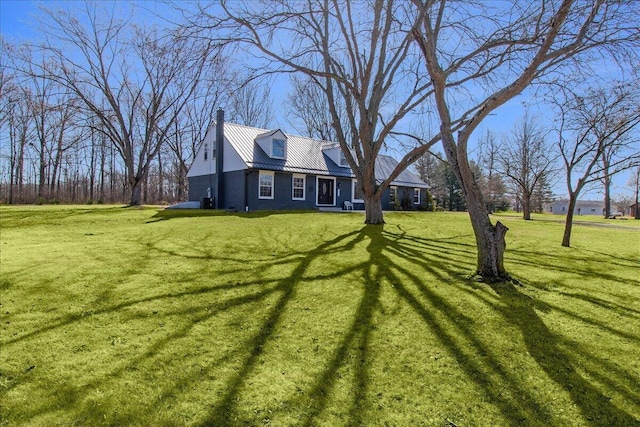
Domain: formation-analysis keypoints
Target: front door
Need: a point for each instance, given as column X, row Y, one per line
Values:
column 325, row 191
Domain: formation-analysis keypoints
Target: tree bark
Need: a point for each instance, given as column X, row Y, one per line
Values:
column 566, row 238
column 526, row 207
column 41, row 174
column 637, row 210
column 372, row 195
column 373, row 210
column 607, row 192
column 136, row 192
column 490, row 239
column 161, row 197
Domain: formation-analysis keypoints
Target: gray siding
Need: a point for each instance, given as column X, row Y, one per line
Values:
column 234, row 190
column 344, row 195
column 282, row 193
column 198, row 186
column 241, row 189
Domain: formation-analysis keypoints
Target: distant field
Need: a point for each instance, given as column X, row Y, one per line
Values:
column 122, row 316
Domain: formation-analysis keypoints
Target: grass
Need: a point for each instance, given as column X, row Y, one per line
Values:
column 114, row 316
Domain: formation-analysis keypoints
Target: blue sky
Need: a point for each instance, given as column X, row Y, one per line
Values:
column 17, row 23
column 12, row 14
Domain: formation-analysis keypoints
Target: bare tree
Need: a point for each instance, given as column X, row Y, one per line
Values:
column 14, row 129
column 308, row 110
column 479, row 55
column 193, row 122
column 626, row 110
column 493, row 190
column 526, row 159
column 133, row 80
column 634, row 182
column 589, row 126
column 359, row 55
column 250, row 104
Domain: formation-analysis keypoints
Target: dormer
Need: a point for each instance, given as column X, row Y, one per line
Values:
column 274, row 143
column 334, row 152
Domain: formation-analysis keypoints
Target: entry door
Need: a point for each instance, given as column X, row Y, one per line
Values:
column 325, row 191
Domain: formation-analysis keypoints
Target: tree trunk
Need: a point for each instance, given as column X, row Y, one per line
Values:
column 92, row 169
column 607, row 195
column 490, row 241
column 136, row 192
column 637, row 210
column 606, row 181
column 526, row 208
column 41, row 175
column 566, row 238
column 182, row 178
column 160, row 180
column 373, row 209
column 102, row 171
column 372, row 196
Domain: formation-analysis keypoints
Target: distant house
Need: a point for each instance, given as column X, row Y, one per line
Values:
column 268, row 169
column 583, row 207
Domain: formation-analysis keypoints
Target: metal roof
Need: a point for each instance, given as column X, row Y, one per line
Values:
column 305, row 155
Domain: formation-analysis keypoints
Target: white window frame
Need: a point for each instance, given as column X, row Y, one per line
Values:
column 273, row 178
column 416, row 192
column 206, row 152
column 354, row 183
column 284, row 148
column 335, row 189
column 293, row 188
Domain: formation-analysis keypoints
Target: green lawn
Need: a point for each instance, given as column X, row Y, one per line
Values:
column 113, row 316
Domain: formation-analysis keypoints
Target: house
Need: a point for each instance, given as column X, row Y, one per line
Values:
column 583, row 207
column 268, row 169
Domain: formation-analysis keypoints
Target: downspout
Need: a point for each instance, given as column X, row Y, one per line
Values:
column 219, row 203
column 246, row 189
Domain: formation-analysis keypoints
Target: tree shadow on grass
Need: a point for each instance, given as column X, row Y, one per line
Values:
column 550, row 352
column 224, row 410
column 167, row 214
column 442, row 261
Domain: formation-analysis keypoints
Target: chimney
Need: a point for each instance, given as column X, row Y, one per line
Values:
column 219, row 158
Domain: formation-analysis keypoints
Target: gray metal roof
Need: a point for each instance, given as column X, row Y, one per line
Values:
column 305, row 155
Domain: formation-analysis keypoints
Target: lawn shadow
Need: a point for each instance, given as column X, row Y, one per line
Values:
column 444, row 261
column 224, row 409
column 551, row 353
column 167, row 214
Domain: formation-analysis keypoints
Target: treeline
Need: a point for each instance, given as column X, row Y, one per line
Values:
column 108, row 110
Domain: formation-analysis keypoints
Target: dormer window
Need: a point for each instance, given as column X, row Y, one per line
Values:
column 273, row 143
column 343, row 160
column 278, row 149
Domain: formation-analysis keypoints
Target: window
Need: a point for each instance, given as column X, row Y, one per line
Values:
column 416, row 196
column 278, row 149
column 393, row 193
column 297, row 185
column 265, row 185
column 356, row 193
column 343, row 159
column 206, row 151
